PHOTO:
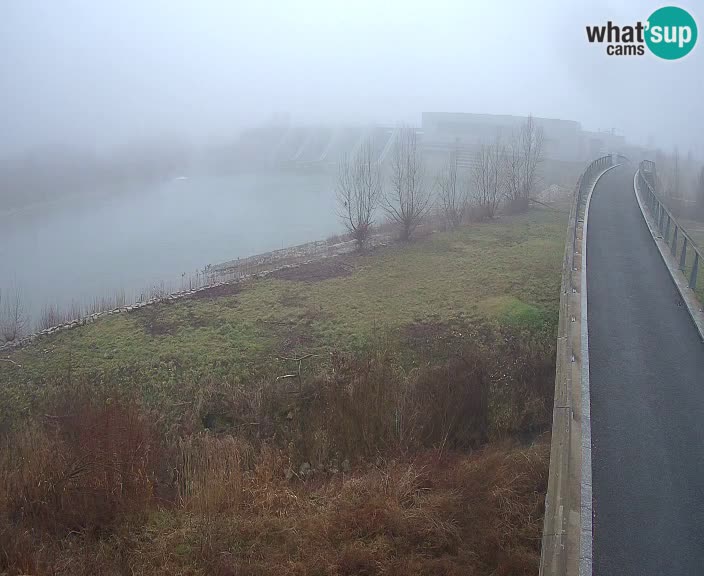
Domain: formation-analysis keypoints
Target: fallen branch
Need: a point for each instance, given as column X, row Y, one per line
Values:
column 278, row 322
column 11, row 362
column 304, row 357
column 300, row 365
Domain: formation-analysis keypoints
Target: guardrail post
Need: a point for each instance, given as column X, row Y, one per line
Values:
column 661, row 218
column 664, row 221
column 673, row 248
column 667, row 229
column 683, row 256
column 695, row 269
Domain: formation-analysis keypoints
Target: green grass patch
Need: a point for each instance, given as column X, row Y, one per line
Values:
column 506, row 271
column 511, row 312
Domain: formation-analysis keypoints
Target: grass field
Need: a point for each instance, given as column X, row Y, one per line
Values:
column 164, row 441
column 506, row 271
column 695, row 229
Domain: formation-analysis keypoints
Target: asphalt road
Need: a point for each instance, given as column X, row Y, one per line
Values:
column 647, row 398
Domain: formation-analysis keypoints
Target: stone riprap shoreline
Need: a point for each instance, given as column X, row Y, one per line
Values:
column 216, row 275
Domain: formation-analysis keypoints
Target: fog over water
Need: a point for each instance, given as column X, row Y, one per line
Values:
column 104, row 104
column 78, row 249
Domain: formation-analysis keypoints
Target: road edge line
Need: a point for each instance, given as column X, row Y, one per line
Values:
column 586, row 504
column 694, row 308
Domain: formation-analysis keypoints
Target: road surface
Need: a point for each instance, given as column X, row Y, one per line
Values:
column 647, row 398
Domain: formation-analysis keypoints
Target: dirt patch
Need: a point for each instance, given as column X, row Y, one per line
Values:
column 429, row 334
column 434, row 334
column 295, row 341
column 315, row 271
column 154, row 323
column 217, row 291
column 196, row 320
column 292, row 299
column 425, row 331
column 294, row 337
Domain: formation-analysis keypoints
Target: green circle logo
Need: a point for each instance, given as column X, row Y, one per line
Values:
column 670, row 33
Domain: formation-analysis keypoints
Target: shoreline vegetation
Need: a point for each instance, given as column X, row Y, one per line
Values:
column 212, row 277
column 377, row 403
column 383, row 412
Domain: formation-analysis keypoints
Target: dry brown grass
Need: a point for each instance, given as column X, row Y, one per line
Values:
column 435, row 513
column 82, row 469
column 367, row 405
column 362, row 469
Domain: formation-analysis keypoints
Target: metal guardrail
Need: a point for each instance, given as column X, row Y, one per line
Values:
column 562, row 529
column 562, row 546
column 584, row 185
column 686, row 252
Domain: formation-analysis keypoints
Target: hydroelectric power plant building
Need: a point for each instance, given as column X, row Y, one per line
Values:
column 290, row 145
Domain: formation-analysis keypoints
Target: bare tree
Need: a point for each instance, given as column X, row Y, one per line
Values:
column 513, row 172
column 669, row 180
column 699, row 199
column 532, row 141
column 408, row 199
column 452, row 192
column 523, row 158
column 359, row 189
column 489, row 178
column 13, row 317
column 676, row 174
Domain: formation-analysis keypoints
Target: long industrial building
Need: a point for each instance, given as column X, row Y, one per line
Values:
column 309, row 146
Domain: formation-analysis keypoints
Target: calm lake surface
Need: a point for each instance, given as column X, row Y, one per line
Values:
column 90, row 247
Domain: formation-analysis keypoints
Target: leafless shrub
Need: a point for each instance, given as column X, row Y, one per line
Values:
column 158, row 290
column 75, row 310
column 680, row 183
column 120, row 299
column 456, row 400
column 489, row 178
column 367, row 405
column 453, row 192
column 86, row 466
column 359, row 189
column 671, row 181
column 81, row 479
column 51, row 315
column 699, row 199
column 408, row 199
column 103, row 303
column 13, row 316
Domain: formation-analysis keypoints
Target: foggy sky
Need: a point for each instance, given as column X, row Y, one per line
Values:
column 98, row 74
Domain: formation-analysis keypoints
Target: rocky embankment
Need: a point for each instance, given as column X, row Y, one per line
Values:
column 226, row 273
